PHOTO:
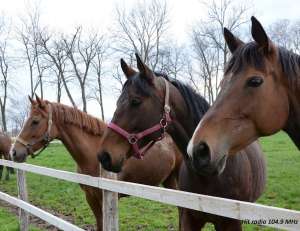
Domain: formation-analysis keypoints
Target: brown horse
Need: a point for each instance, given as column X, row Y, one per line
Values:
column 5, row 145
column 81, row 134
column 149, row 103
column 259, row 96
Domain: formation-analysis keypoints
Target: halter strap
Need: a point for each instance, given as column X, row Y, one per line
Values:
column 45, row 138
column 133, row 138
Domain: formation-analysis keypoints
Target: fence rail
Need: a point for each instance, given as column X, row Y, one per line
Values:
column 267, row 215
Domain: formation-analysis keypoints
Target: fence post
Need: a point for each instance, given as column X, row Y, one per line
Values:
column 110, row 205
column 22, row 193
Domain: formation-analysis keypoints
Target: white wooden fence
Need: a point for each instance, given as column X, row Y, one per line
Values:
column 249, row 212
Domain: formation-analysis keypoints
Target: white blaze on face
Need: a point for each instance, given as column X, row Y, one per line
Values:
column 13, row 146
column 11, row 151
column 190, row 146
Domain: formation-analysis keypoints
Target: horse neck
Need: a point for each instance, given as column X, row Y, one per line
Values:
column 5, row 144
column 82, row 145
column 292, row 127
column 182, row 126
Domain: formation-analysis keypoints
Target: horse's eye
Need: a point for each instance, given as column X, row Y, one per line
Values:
column 35, row 122
column 255, row 81
column 135, row 102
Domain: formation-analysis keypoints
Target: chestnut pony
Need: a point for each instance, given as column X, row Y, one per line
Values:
column 5, row 144
column 149, row 105
column 259, row 96
column 81, row 135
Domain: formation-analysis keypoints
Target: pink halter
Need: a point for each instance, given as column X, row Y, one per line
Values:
column 133, row 138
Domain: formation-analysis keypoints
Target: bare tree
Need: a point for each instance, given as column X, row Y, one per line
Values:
column 173, row 61
column 286, row 33
column 80, row 53
column 207, row 58
column 279, row 31
column 29, row 56
column 97, row 64
column 4, row 83
column 54, row 49
column 17, row 114
column 141, row 30
column 29, row 35
column 208, row 42
column 119, row 78
column 5, row 65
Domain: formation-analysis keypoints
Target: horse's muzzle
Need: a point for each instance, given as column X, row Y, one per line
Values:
column 18, row 157
column 106, row 162
column 202, row 161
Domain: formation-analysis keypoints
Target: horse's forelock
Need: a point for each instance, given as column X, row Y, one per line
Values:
column 250, row 55
column 245, row 56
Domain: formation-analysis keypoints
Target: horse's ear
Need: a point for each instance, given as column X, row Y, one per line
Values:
column 39, row 101
column 232, row 42
column 144, row 69
column 260, row 36
column 31, row 100
column 128, row 71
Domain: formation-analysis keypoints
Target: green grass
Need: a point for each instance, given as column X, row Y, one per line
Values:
column 8, row 222
column 283, row 190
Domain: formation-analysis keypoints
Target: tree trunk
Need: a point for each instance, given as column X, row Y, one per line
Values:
column 84, row 106
column 101, row 97
column 41, row 87
column 3, row 114
column 58, row 89
column 68, row 92
column 31, row 80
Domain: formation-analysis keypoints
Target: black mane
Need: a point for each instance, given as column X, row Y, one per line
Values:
column 290, row 63
column 251, row 55
column 196, row 103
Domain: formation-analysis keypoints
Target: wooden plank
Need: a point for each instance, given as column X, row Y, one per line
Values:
column 209, row 204
column 22, row 193
column 48, row 217
column 110, row 206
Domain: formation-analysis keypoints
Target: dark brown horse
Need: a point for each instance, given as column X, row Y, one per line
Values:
column 147, row 102
column 81, row 134
column 5, row 145
column 259, row 96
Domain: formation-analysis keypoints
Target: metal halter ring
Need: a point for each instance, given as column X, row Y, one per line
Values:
column 132, row 139
column 163, row 122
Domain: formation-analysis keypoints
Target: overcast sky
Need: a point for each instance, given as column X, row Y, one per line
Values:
column 64, row 15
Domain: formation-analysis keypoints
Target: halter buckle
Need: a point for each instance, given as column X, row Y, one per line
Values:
column 167, row 108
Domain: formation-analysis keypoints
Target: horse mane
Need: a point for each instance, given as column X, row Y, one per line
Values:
column 70, row 115
column 290, row 63
column 251, row 55
column 197, row 105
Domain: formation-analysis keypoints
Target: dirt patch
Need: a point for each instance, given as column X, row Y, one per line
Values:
column 41, row 224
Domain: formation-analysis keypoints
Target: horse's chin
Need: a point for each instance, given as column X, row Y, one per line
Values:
column 214, row 169
column 117, row 168
column 109, row 166
column 221, row 164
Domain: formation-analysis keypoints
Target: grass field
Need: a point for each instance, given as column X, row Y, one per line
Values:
column 283, row 190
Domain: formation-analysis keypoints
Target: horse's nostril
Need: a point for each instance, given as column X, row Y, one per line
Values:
column 14, row 153
column 201, row 155
column 105, row 160
column 201, row 147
